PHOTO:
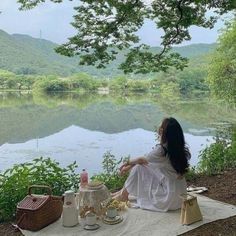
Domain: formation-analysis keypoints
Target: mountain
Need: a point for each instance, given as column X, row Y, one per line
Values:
column 23, row 54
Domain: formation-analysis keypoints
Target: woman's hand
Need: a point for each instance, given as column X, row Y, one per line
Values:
column 125, row 168
column 128, row 165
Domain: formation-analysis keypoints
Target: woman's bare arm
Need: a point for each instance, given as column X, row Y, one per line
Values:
column 139, row 160
column 129, row 164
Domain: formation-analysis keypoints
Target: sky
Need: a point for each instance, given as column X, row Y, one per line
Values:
column 53, row 21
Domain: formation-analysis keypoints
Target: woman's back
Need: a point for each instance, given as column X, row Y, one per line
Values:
column 157, row 180
column 157, row 184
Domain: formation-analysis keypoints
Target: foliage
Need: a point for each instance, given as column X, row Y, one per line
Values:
column 189, row 83
column 83, row 81
column 110, row 175
column 9, row 80
column 191, row 174
column 5, row 76
column 191, row 80
column 222, row 69
column 123, row 84
column 108, row 26
column 51, row 84
column 104, row 83
column 77, row 82
column 14, row 182
column 170, row 92
column 119, row 83
column 140, row 86
column 220, row 155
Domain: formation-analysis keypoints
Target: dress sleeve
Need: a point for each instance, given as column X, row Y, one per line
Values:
column 156, row 155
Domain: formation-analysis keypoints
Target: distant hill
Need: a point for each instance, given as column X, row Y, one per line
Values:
column 195, row 50
column 23, row 54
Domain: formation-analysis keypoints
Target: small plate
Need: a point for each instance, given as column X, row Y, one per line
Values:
column 112, row 221
column 91, row 227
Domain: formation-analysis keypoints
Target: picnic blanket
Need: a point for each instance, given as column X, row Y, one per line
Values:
column 142, row 222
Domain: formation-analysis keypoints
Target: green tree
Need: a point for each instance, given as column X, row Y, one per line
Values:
column 222, row 69
column 119, row 83
column 5, row 77
column 25, row 81
column 192, row 81
column 11, row 83
column 51, row 84
column 83, row 81
column 170, row 92
column 138, row 85
column 104, row 27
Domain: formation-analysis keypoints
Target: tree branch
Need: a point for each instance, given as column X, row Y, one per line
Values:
column 166, row 45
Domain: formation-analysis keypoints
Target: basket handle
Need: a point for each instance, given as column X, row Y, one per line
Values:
column 40, row 186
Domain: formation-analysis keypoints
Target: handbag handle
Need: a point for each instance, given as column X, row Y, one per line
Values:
column 40, row 186
column 184, row 196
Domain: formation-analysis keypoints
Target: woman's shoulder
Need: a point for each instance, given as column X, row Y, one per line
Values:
column 161, row 149
column 157, row 151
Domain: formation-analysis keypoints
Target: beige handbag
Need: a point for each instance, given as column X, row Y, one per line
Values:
column 190, row 211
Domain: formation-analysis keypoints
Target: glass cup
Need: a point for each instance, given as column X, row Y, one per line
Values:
column 111, row 212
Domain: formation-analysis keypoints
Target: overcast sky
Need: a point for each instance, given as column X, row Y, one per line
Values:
column 54, row 22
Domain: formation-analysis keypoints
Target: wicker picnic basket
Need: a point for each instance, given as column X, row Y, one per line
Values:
column 35, row 212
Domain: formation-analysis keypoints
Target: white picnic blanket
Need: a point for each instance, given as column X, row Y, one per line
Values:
column 142, row 222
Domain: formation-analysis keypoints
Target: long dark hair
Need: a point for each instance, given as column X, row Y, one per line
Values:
column 172, row 135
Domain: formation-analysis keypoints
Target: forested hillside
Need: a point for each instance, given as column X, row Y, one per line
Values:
column 24, row 54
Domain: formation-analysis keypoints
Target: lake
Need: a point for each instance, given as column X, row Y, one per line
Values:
column 70, row 127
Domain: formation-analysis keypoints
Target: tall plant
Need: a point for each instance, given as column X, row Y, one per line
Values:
column 221, row 154
column 14, row 182
column 110, row 175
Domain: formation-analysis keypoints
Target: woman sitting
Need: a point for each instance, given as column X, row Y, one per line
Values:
column 157, row 180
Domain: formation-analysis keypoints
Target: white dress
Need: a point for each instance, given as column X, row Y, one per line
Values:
column 156, row 185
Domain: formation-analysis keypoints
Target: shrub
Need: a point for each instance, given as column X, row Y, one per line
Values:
column 110, row 176
column 14, row 182
column 170, row 91
column 51, row 84
column 192, row 174
column 119, row 83
column 220, row 155
column 56, row 85
column 83, row 81
column 138, row 85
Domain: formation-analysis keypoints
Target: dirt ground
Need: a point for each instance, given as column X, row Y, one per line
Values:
column 220, row 187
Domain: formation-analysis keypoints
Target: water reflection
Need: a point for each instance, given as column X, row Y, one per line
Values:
column 82, row 127
column 87, row 147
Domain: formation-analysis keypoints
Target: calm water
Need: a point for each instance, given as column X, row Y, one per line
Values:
column 70, row 127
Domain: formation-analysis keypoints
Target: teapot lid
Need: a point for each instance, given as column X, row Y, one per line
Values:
column 89, row 213
column 69, row 192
